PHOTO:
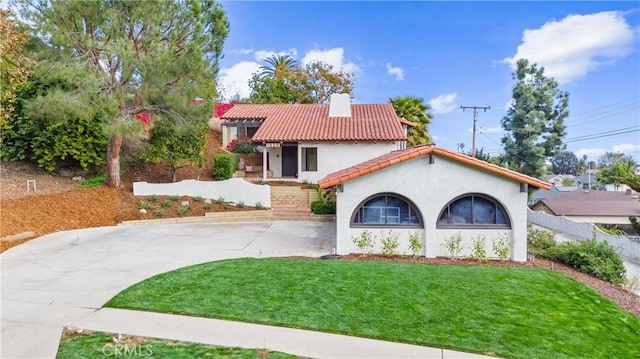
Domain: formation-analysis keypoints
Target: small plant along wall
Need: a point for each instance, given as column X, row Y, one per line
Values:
column 477, row 247
column 388, row 242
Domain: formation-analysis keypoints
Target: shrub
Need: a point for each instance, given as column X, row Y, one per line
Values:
column 226, row 206
column 242, row 146
column 182, row 210
column 453, row 245
column 206, row 206
column 93, row 182
column 365, row 241
column 597, row 258
column 145, row 205
column 320, row 207
column 167, row 203
column 259, row 205
column 389, row 243
column 174, row 198
column 220, row 200
column 501, row 246
column 197, row 199
column 539, row 240
column 158, row 213
column 240, row 204
column 153, row 197
column 477, row 249
column 223, row 166
column 415, row 244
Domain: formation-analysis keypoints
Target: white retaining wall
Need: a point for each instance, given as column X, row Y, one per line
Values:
column 629, row 247
column 232, row 190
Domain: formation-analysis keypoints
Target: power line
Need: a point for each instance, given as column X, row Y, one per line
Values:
column 579, row 116
column 475, row 120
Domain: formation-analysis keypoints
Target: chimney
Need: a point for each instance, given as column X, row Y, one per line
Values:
column 340, row 105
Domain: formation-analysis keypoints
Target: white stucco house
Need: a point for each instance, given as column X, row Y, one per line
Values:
column 308, row 141
column 433, row 193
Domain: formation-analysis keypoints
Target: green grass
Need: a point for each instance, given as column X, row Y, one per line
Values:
column 507, row 311
column 93, row 182
column 101, row 345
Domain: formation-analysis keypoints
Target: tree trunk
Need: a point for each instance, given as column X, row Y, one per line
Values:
column 174, row 172
column 113, row 161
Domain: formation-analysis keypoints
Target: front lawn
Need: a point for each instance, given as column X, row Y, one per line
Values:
column 101, row 345
column 506, row 311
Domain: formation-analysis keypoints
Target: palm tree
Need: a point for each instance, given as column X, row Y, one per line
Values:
column 415, row 110
column 278, row 66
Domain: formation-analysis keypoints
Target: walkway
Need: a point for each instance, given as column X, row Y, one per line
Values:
column 65, row 278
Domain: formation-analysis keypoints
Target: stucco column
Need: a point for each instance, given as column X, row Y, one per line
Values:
column 264, row 163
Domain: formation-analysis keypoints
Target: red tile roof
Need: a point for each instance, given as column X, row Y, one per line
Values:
column 286, row 122
column 394, row 157
column 593, row 203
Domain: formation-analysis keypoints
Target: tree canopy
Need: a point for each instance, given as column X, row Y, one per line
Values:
column 566, row 162
column 414, row 109
column 313, row 83
column 151, row 57
column 534, row 124
column 278, row 66
column 609, row 159
column 15, row 66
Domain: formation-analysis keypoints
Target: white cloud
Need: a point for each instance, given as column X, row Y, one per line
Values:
column 568, row 49
column 261, row 55
column 333, row 57
column 595, row 152
column 235, row 80
column 443, row 103
column 396, row 72
column 496, row 129
column 241, row 51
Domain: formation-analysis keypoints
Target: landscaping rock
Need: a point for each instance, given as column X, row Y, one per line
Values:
column 207, row 201
column 184, row 203
column 143, row 211
column 77, row 178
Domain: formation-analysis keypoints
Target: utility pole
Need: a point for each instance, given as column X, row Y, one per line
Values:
column 475, row 120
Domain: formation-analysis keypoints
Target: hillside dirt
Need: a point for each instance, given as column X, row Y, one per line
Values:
column 57, row 205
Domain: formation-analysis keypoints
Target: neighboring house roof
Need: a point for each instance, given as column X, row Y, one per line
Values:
column 593, row 203
column 584, row 178
column 311, row 122
column 551, row 192
column 394, row 157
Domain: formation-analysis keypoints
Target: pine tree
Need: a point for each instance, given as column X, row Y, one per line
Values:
column 534, row 123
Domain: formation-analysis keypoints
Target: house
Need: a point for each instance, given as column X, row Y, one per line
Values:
column 604, row 207
column 561, row 179
column 309, row 141
column 433, row 194
column 587, row 181
column 541, row 194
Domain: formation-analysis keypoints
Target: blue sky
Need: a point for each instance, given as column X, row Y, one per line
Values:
column 456, row 54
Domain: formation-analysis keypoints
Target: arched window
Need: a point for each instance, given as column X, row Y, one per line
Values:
column 386, row 210
column 474, row 210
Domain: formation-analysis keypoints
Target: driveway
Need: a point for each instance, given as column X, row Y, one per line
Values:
column 63, row 278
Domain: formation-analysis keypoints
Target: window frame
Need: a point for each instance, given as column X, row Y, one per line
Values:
column 497, row 205
column 413, row 209
column 304, row 157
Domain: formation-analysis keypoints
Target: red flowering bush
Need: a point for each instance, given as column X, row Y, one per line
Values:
column 221, row 108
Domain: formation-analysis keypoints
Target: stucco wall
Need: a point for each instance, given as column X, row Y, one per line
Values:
column 275, row 161
column 334, row 156
column 232, row 190
column 431, row 187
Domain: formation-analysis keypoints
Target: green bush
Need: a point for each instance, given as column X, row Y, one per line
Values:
column 539, row 240
column 224, row 165
column 320, row 207
column 93, row 182
column 243, row 146
column 597, row 258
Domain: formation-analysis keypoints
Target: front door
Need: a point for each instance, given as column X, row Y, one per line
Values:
column 289, row 161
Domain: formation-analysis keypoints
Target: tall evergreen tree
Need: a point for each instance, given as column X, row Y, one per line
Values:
column 150, row 57
column 414, row 109
column 566, row 162
column 534, row 124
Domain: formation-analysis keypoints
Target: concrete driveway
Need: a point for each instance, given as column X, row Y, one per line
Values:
column 61, row 278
